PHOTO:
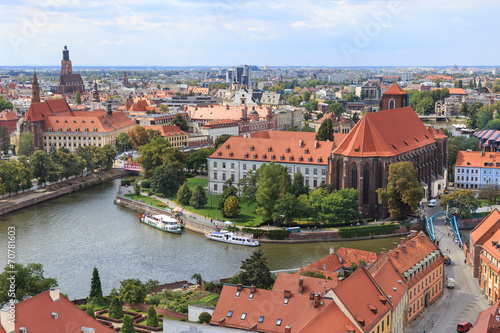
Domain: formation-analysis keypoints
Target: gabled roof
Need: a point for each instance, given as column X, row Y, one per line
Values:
column 285, row 281
column 347, row 256
column 35, row 314
column 395, row 90
column 486, row 228
column 98, row 119
column 69, row 79
column 7, row 115
column 477, row 159
column 392, row 283
column 487, row 319
column 39, row 111
column 376, row 135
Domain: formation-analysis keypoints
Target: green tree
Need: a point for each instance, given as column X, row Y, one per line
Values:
column 29, row 281
column 403, row 192
column 254, row 271
column 184, row 194
column 199, row 197
column 128, row 325
column 89, row 309
column 4, row 139
column 137, row 188
column 40, row 165
column 311, row 106
column 286, row 208
column 337, row 206
column 336, row 108
column 115, row 308
column 493, row 124
column 197, row 160
column 197, row 278
column 123, row 142
column 355, row 118
column 307, row 128
column 204, row 317
column 464, row 109
column 152, row 318
column 153, row 155
column 26, row 140
column 461, row 202
column 167, row 179
column 306, row 96
column 269, row 188
column 78, row 98
column 248, row 186
column 298, row 186
column 180, row 122
column 133, row 291
column 228, row 191
column 139, row 136
column 231, row 206
column 151, row 285
column 325, row 132
column 490, row 192
column 95, row 295
column 5, row 105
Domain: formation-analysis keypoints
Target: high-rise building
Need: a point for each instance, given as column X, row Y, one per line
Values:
column 239, row 74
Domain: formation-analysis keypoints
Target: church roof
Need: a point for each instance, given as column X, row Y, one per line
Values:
column 386, row 133
column 395, row 90
column 68, row 79
column 39, row 111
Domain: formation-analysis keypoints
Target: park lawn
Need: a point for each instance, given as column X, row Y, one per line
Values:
column 160, row 321
column 147, row 200
column 483, row 202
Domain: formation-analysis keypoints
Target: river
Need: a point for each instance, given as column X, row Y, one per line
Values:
column 72, row 234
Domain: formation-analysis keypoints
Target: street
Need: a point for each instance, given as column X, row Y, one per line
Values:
column 464, row 302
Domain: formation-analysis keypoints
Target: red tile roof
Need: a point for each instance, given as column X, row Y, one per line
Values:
column 331, row 320
column 285, row 281
column 70, row 121
column 348, row 256
column 39, row 111
column 486, row 228
column 7, row 115
column 392, row 283
column 395, row 90
column 436, row 77
column 486, row 320
column 220, row 123
column 454, row 91
column 283, row 145
column 166, row 130
column 35, row 314
column 477, row 159
column 211, row 112
column 376, row 135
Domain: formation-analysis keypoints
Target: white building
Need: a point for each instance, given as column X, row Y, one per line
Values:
column 298, row 151
column 216, row 128
column 474, row 169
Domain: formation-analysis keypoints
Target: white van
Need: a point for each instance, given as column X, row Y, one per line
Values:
column 450, row 283
column 432, row 203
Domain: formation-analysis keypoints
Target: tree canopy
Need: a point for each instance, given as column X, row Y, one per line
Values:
column 325, row 132
column 167, row 179
column 180, row 122
column 254, row 271
column 269, row 188
column 133, row 291
column 461, row 202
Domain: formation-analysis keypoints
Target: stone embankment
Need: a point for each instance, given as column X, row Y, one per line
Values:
column 29, row 198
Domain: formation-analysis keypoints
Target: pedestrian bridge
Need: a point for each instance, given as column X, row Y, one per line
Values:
column 450, row 218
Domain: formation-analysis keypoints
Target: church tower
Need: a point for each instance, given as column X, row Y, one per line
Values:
column 125, row 79
column 394, row 98
column 35, row 90
column 96, row 101
column 66, row 68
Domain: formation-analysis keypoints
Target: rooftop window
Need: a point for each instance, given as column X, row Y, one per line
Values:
column 261, row 319
column 278, row 322
column 230, row 314
column 243, row 316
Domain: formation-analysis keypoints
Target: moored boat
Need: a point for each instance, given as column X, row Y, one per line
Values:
column 231, row 237
column 162, row 222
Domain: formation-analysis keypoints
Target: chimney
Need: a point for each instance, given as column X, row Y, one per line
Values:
column 396, row 254
column 311, row 295
column 287, row 294
column 7, row 319
column 301, row 285
column 324, row 267
column 316, row 300
column 315, row 144
column 222, row 322
column 54, row 293
column 413, row 233
column 384, row 250
column 332, row 249
column 239, row 286
column 402, row 241
column 394, row 245
column 413, row 242
column 300, row 143
column 253, row 289
column 404, row 248
column 288, row 329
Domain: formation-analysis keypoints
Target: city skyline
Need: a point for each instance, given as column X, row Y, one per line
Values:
column 284, row 33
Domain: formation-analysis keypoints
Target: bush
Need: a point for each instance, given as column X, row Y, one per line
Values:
column 152, row 319
column 126, row 182
column 154, row 300
column 189, row 175
column 277, row 234
column 382, row 229
column 115, row 309
column 204, row 317
column 160, row 315
column 183, row 308
column 161, row 204
column 209, row 286
column 146, row 183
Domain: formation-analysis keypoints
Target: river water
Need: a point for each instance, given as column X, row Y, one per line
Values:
column 72, row 234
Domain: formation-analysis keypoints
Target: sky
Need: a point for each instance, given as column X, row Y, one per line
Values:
column 233, row 32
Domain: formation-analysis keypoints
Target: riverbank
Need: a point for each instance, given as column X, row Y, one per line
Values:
column 201, row 224
column 29, row 198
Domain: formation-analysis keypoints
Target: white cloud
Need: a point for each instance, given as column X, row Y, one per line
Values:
column 460, row 20
column 105, row 42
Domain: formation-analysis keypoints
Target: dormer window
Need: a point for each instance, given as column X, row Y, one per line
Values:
column 50, row 129
column 310, row 159
column 95, row 129
column 288, row 150
column 251, row 148
column 238, row 293
column 282, row 158
column 219, row 154
column 254, row 156
column 227, row 146
column 59, row 129
column 306, row 151
column 291, row 158
column 269, row 149
column 246, row 155
column 86, row 129
column 320, row 160
column 273, row 157
column 264, row 156
column 230, row 314
column 301, row 159
column 230, row 154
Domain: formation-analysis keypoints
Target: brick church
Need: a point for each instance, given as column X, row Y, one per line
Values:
column 68, row 82
column 393, row 134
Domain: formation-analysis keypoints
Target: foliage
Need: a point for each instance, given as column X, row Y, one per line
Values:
column 139, row 136
column 424, row 101
column 254, row 271
column 287, row 207
column 336, row 108
column 209, row 286
column 5, row 105
column 152, row 318
column 151, row 284
column 199, row 197
column 356, row 265
column 380, row 229
column 196, row 277
column 491, row 193
column 269, row 190
column 314, row 274
column 184, row 194
column 307, row 128
column 123, row 142
column 197, row 160
column 462, row 202
column 325, row 132
column 180, row 122
column 403, row 192
column 133, row 291
column 248, row 186
column 155, row 299
column 273, row 234
column 78, row 98
column 153, row 155
column 493, row 124
column 95, row 295
column 231, row 206
column 137, row 188
column 126, row 182
column 26, row 140
column 220, row 141
column 311, row 105
column 355, row 117
column 4, row 139
column 204, row 317
column 228, row 191
column 89, row 309
column 337, row 206
column 298, row 186
column 167, row 179
column 115, row 308
column 29, row 281
column 146, row 183
column 128, row 325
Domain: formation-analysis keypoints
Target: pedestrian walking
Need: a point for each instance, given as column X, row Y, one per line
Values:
column 432, row 323
column 424, row 329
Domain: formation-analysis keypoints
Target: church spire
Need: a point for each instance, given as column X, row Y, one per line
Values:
column 35, row 90
column 95, row 93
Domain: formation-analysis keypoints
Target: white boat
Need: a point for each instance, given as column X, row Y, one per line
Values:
column 231, row 237
column 458, row 126
column 162, row 222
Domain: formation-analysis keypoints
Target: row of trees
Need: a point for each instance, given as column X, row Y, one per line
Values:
column 483, row 116
column 424, row 101
column 197, row 198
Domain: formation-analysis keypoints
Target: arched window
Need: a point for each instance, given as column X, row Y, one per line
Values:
column 392, row 104
column 366, row 184
column 380, row 177
column 354, row 176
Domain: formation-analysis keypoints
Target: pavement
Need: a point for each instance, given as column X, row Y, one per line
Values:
column 464, row 302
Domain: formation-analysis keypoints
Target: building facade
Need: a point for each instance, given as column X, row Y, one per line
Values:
column 172, row 133
column 475, row 169
column 216, row 128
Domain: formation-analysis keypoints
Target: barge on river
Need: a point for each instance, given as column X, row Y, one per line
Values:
column 162, row 222
column 231, row 237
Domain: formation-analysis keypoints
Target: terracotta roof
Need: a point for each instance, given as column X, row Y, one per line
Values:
column 285, row 281
column 454, row 91
column 395, row 90
column 363, row 298
column 330, row 263
column 98, row 119
column 435, row 77
column 376, row 135
column 35, row 314
column 331, row 320
column 7, row 115
column 220, row 122
column 39, row 111
column 166, row 130
column 216, row 111
column 392, row 283
column 487, row 319
column 486, row 228
column 347, row 256
column 282, row 145
column 477, row 159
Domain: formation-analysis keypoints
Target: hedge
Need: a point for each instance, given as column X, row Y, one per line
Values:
column 126, row 182
column 275, row 234
column 146, row 183
column 382, row 229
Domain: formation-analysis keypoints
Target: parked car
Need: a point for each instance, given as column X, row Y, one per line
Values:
column 464, row 326
column 432, row 203
column 450, row 283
